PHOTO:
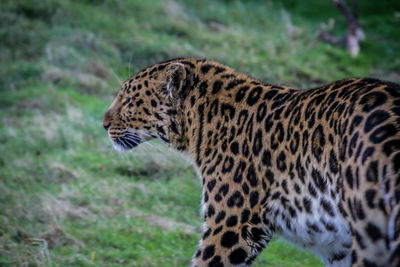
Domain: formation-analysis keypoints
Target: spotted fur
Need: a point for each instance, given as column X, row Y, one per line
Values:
column 319, row 167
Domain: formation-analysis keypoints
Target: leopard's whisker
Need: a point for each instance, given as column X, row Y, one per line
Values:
column 151, row 136
column 123, row 142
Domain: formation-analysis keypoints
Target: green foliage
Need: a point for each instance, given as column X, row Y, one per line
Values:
column 66, row 198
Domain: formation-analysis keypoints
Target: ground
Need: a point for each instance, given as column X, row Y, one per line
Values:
column 66, row 197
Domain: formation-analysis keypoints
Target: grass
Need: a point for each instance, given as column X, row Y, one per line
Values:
column 66, row 198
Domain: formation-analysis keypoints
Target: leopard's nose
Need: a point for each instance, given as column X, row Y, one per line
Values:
column 106, row 126
column 107, row 119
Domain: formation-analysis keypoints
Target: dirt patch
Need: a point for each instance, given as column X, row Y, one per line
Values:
column 88, row 83
column 61, row 209
column 169, row 224
column 32, row 104
column 53, row 75
column 98, row 69
column 164, row 222
column 62, row 173
column 56, row 237
column 150, row 169
column 174, row 9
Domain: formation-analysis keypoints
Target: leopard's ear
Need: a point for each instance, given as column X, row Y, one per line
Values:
column 175, row 78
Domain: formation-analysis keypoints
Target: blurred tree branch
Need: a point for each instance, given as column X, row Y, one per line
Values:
column 354, row 33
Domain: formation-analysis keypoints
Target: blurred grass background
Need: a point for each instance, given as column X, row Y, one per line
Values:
column 66, row 198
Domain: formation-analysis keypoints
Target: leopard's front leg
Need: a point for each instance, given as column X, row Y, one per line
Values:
column 233, row 236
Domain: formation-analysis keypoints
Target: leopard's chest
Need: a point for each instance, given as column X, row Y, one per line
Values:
column 326, row 232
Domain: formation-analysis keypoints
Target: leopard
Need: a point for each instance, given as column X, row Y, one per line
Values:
column 318, row 167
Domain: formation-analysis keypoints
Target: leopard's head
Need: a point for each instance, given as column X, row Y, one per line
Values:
column 147, row 107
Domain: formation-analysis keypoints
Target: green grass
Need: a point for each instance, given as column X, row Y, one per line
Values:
column 68, row 199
